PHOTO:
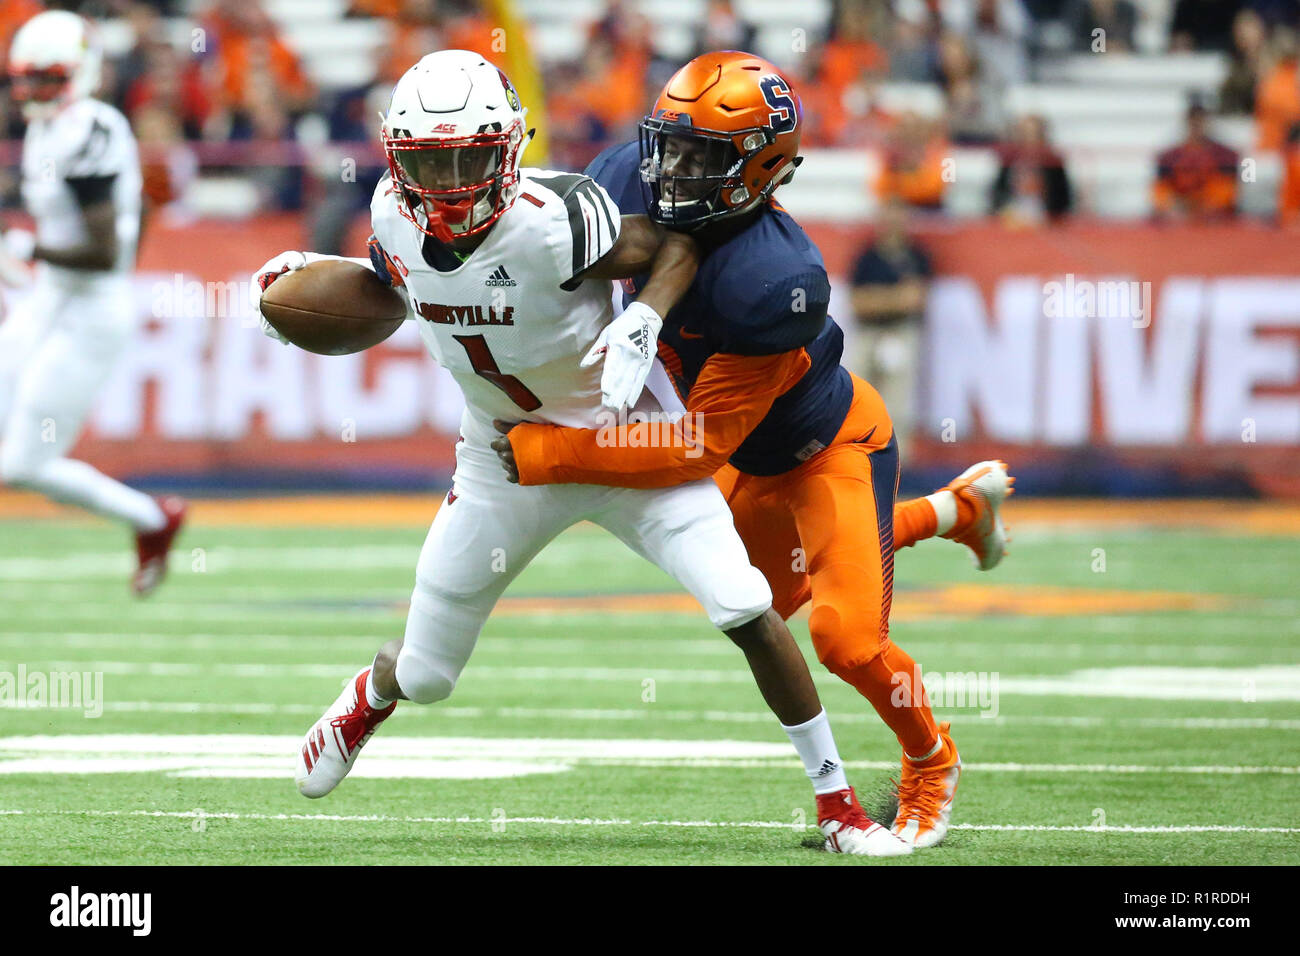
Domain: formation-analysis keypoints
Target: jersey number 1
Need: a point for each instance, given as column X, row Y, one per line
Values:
column 485, row 366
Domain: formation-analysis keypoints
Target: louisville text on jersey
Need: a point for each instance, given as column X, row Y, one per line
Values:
column 465, row 315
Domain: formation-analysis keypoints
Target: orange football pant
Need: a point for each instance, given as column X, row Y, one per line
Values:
column 825, row 531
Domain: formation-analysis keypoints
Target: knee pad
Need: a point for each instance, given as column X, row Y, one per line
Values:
column 422, row 677
column 19, row 468
column 846, row 638
column 441, row 629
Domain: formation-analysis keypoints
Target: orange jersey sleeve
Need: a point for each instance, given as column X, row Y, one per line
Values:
column 732, row 394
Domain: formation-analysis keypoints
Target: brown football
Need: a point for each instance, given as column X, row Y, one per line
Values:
column 332, row 307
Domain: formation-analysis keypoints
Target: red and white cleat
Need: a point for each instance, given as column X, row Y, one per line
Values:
column 331, row 746
column 848, row 829
column 152, row 547
column 980, row 491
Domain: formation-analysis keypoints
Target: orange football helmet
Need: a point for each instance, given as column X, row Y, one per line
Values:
column 723, row 135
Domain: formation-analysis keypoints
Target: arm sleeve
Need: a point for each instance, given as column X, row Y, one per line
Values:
column 584, row 230
column 731, row 396
column 98, row 151
column 90, row 190
column 94, row 160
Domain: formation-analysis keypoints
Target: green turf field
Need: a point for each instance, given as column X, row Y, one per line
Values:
column 1147, row 713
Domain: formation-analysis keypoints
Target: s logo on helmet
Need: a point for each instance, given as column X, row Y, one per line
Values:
column 777, row 94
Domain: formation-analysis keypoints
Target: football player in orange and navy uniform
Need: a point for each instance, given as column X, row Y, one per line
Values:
column 803, row 450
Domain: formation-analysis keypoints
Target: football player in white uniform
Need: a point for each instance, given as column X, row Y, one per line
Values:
column 507, row 272
column 81, row 183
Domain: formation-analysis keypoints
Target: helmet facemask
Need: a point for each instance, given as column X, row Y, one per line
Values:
column 695, row 175
column 456, row 186
column 40, row 91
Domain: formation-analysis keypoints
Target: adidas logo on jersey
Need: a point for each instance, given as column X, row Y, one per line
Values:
column 499, row 278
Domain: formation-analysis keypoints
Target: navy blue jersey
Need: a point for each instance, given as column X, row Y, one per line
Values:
column 761, row 292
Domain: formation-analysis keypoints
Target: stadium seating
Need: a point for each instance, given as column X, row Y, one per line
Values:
column 1109, row 114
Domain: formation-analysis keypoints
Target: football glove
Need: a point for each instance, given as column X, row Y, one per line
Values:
column 629, row 345
column 271, row 270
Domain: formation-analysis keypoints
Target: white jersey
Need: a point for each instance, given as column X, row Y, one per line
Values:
column 511, row 322
column 84, row 153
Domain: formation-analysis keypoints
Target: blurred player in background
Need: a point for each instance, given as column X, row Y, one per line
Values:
column 507, row 271
column 81, row 183
column 803, row 451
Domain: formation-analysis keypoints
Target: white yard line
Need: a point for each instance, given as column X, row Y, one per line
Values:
column 701, row 647
column 223, row 559
column 394, row 756
column 598, row 822
column 654, row 713
column 1267, row 682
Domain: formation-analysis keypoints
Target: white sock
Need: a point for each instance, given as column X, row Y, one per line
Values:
column 372, row 696
column 815, row 745
column 945, row 510
column 77, row 483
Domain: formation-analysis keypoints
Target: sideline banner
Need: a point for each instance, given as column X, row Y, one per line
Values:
column 1167, row 356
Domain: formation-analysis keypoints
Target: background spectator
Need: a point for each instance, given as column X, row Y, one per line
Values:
column 721, row 28
column 1032, row 185
column 973, row 100
column 1197, row 179
column 1203, row 24
column 1288, row 212
column 913, row 164
column 890, row 281
column 1237, row 95
column 1277, row 99
column 1117, row 19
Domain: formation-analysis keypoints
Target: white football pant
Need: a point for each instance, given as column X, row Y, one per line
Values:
column 489, row 533
column 57, row 348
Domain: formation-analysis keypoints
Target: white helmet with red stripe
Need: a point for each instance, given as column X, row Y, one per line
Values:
column 54, row 60
column 454, row 134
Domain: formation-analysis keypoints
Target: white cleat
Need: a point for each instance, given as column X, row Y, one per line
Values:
column 848, row 829
column 331, row 746
column 983, row 487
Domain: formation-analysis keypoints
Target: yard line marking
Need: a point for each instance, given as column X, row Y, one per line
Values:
column 217, row 560
column 269, row 756
column 702, row 647
column 1239, row 684
column 681, row 716
column 222, row 559
column 598, row 822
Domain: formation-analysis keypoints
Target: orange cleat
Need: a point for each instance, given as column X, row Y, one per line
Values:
column 151, row 547
column 980, row 491
column 925, row 796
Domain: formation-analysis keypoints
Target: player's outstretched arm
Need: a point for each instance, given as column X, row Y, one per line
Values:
column 628, row 344
column 731, row 396
column 642, row 246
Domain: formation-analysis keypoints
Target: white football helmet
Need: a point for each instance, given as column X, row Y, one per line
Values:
column 54, row 60
column 454, row 135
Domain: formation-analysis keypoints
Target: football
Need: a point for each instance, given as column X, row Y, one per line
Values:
column 333, row 307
